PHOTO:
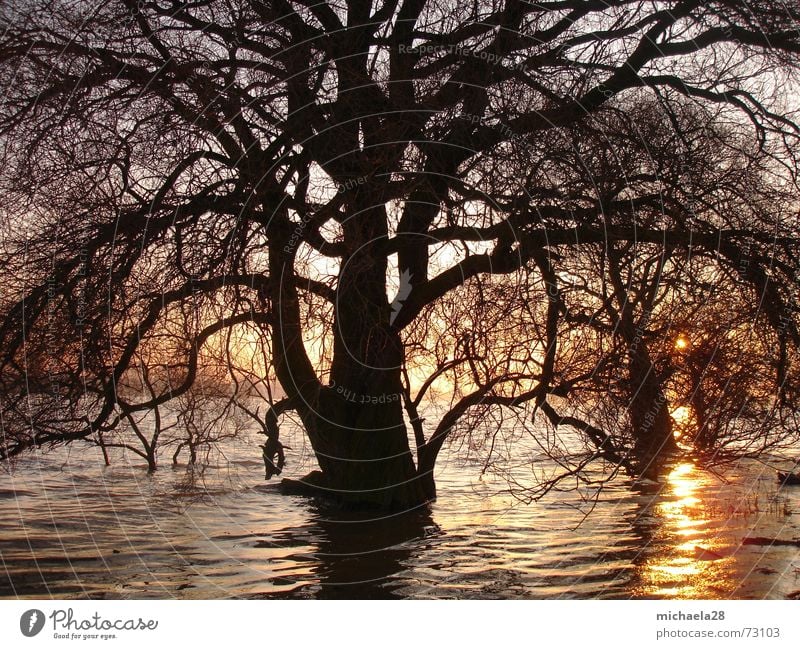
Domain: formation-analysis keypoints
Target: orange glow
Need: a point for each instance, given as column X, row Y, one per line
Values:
column 681, row 343
column 694, row 563
column 681, row 414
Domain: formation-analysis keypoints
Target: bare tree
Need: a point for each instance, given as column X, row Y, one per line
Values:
column 217, row 163
column 140, row 432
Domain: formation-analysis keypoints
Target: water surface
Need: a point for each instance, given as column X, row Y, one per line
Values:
column 74, row 528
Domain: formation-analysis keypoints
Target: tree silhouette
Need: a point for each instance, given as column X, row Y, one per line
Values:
column 542, row 184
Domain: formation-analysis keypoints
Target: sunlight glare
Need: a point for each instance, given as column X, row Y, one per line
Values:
column 692, row 563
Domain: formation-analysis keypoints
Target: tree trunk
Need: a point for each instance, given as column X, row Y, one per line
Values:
column 362, row 448
column 102, row 442
column 361, row 416
column 705, row 435
column 653, row 436
column 648, row 410
column 355, row 424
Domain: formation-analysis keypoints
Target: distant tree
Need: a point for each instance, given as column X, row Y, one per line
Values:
column 140, row 432
column 285, row 164
column 646, row 305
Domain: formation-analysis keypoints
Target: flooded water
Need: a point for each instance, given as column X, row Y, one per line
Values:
column 74, row 528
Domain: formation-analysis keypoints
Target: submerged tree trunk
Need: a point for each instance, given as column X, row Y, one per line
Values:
column 648, row 409
column 355, row 424
column 653, row 438
column 366, row 453
column 363, row 452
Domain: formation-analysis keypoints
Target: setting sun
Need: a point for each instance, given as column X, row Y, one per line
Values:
column 681, row 414
column 681, row 343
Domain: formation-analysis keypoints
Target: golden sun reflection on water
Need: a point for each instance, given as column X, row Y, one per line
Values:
column 694, row 563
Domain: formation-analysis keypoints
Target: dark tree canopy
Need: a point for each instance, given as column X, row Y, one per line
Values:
column 433, row 220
